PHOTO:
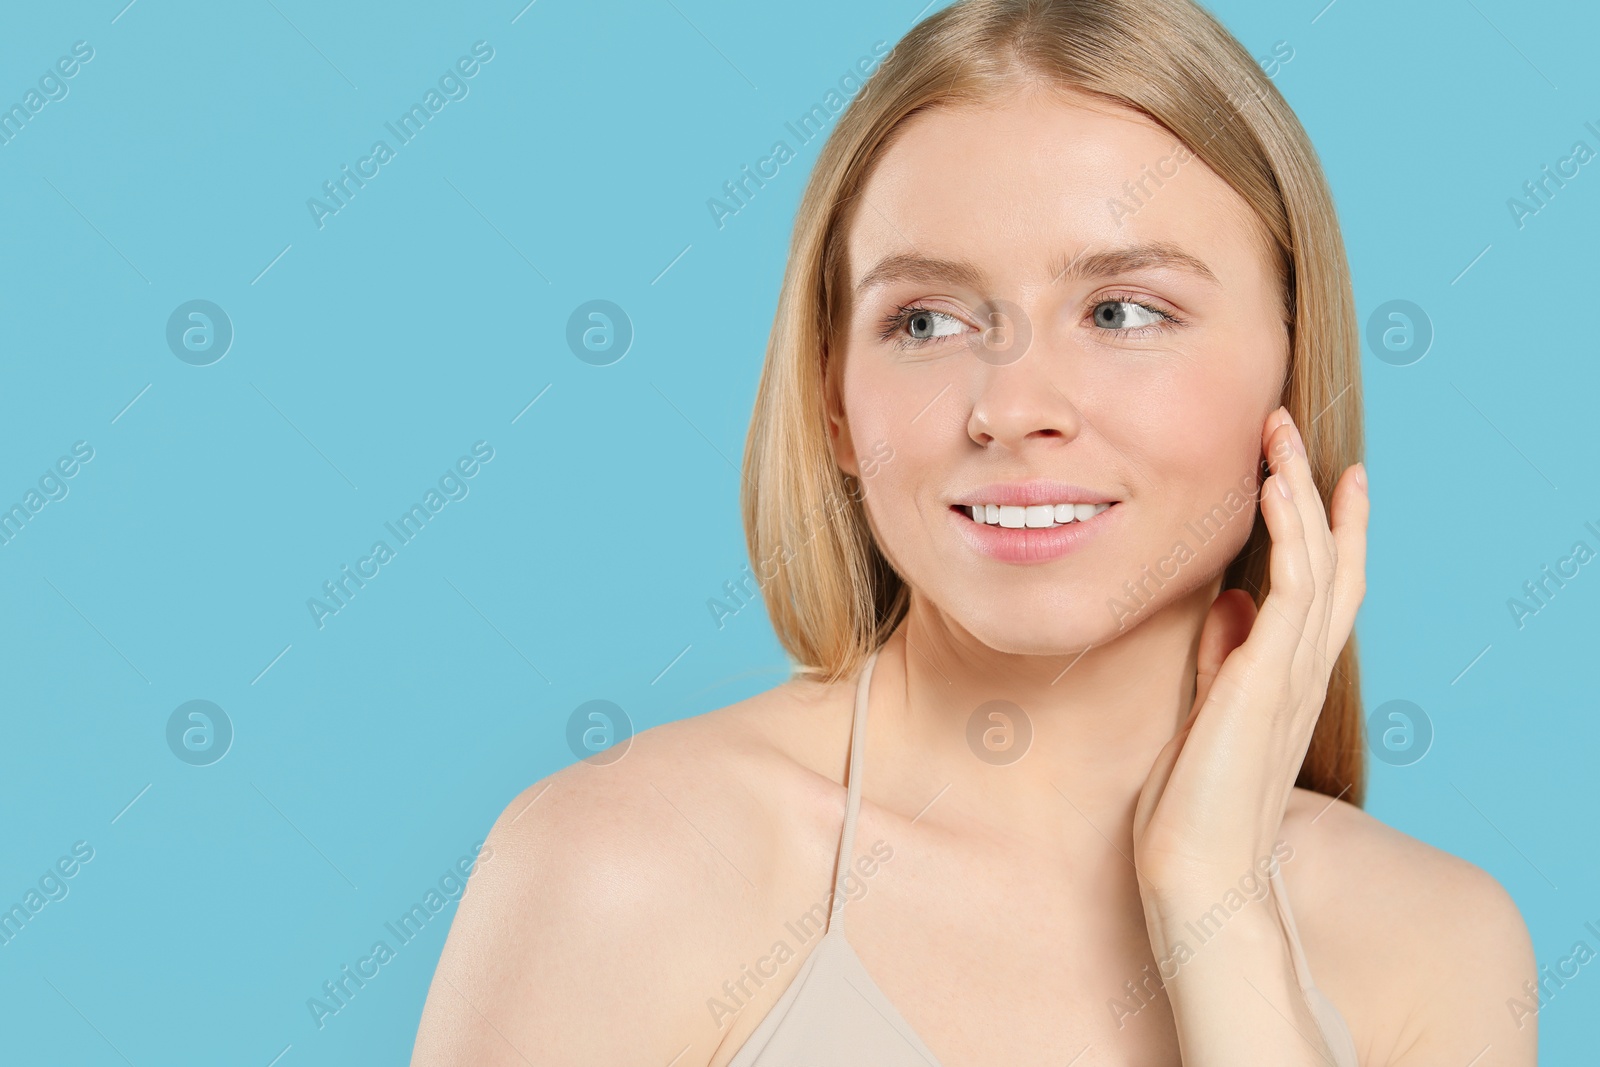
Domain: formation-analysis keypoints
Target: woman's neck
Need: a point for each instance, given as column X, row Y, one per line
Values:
column 1016, row 737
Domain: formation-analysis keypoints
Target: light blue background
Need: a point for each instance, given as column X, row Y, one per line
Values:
column 427, row 314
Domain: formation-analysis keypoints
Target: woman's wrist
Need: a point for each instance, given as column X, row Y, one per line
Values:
column 1232, row 987
column 1175, row 891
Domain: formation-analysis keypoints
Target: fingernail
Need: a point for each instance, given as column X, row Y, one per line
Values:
column 1294, row 435
column 1361, row 476
column 1283, row 486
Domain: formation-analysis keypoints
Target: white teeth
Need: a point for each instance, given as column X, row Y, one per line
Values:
column 1034, row 516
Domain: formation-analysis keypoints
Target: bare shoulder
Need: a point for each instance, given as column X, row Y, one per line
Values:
column 616, row 890
column 1425, row 952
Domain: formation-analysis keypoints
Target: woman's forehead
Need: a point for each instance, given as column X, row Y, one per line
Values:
column 1017, row 183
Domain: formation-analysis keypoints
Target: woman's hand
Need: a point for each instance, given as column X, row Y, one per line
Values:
column 1213, row 803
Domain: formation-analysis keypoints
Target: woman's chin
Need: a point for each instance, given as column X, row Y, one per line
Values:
column 1021, row 635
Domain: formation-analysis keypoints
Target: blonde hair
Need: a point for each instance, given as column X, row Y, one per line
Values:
column 832, row 596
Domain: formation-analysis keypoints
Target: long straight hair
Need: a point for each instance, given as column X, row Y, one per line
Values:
column 832, row 596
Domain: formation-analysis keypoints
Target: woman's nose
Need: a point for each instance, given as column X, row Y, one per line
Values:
column 1018, row 397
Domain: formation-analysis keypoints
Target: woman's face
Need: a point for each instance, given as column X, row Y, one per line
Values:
column 1052, row 304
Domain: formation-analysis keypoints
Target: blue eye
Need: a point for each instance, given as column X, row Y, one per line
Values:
column 1120, row 317
column 925, row 324
column 911, row 325
column 1118, row 314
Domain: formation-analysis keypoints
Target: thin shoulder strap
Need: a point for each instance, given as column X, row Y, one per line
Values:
column 1280, row 896
column 1335, row 1030
column 847, row 839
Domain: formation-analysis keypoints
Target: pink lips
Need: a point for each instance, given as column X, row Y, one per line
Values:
column 1026, row 545
column 1023, row 494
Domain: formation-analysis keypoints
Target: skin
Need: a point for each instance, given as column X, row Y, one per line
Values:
column 1019, row 897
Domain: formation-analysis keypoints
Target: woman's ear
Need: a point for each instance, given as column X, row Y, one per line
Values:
column 839, row 440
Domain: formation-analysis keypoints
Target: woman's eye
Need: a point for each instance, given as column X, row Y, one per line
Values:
column 1123, row 314
column 923, row 324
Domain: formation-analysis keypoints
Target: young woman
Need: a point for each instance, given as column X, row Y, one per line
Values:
column 1071, row 772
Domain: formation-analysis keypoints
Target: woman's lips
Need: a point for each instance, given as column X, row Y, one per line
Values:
column 1038, row 491
column 1028, row 544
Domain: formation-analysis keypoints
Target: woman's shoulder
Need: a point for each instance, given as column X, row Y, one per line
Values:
column 700, row 805
column 1358, row 861
column 1366, row 894
column 639, row 878
column 725, row 776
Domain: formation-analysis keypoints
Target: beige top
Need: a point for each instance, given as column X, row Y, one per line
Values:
column 834, row 1013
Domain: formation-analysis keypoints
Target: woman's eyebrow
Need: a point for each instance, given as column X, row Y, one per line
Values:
column 914, row 267
column 1154, row 254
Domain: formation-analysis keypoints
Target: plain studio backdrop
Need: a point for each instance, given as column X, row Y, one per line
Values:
column 254, row 381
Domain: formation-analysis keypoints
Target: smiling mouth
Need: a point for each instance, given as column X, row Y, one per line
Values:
column 1032, row 517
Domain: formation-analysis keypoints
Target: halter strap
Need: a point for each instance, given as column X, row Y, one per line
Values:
column 847, row 839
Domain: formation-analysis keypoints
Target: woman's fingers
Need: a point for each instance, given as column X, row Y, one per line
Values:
column 1316, row 662
column 1317, row 566
column 1351, row 508
column 1292, row 592
column 1155, row 786
column 1227, row 626
column 1286, row 446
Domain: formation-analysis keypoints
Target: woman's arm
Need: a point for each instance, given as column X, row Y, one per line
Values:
column 1449, row 926
column 1234, row 996
column 1215, row 803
